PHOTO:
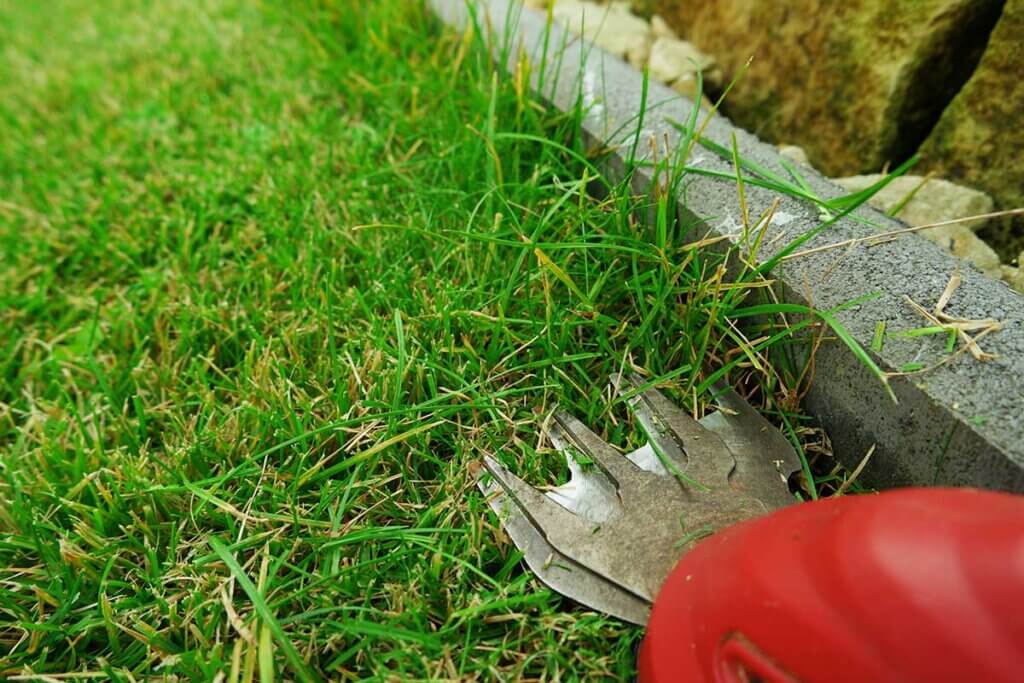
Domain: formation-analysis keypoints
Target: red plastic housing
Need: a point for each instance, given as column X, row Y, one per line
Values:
column 908, row 585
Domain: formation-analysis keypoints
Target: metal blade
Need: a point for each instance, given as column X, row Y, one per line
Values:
column 763, row 454
column 609, row 537
column 556, row 571
column 700, row 454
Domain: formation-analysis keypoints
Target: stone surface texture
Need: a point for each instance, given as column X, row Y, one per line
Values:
column 856, row 83
column 957, row 424
column 794, row 153
column 934, row 201
column 661, row 28
column 979, row 140
column 1013, row 276
column 677, row 62
column 613, row 28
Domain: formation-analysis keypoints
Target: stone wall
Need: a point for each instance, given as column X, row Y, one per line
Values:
column 863, row 84
column 979, row 139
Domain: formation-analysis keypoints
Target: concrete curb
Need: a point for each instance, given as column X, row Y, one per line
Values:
column 959, row 424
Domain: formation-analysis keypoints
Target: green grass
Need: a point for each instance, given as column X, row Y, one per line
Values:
column 273, row 276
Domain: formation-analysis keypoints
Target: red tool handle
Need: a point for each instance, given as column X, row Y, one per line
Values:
column 908, row 585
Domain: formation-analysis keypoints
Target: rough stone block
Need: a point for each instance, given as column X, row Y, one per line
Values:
column 979, row 140
column 857, row 83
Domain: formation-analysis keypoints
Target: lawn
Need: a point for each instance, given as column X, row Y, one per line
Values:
column 272, row 277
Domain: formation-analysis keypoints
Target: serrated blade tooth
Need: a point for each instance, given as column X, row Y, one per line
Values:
column 588, row 493
column 699, row 454
column 543, row 512
column 555, row 570
column 657, row 446
column 765, row 458
column 616, row 467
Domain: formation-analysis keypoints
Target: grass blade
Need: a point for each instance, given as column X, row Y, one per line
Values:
column 264, row 612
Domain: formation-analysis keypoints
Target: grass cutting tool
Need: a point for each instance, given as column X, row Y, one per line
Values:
column 695, row 536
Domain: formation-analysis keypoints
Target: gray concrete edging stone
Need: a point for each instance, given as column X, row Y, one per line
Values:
column 959, row 424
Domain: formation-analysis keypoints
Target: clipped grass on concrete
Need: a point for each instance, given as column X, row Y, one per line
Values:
column 272, row 277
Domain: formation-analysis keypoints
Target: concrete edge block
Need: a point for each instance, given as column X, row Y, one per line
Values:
column 961, row 423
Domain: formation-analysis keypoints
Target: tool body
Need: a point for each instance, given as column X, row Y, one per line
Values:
column 908, row 585
column 916, row 584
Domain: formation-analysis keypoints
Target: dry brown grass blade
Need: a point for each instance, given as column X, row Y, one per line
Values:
column 856, row 472
column 947, row 293
column 881, row 237
column 940, row 319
